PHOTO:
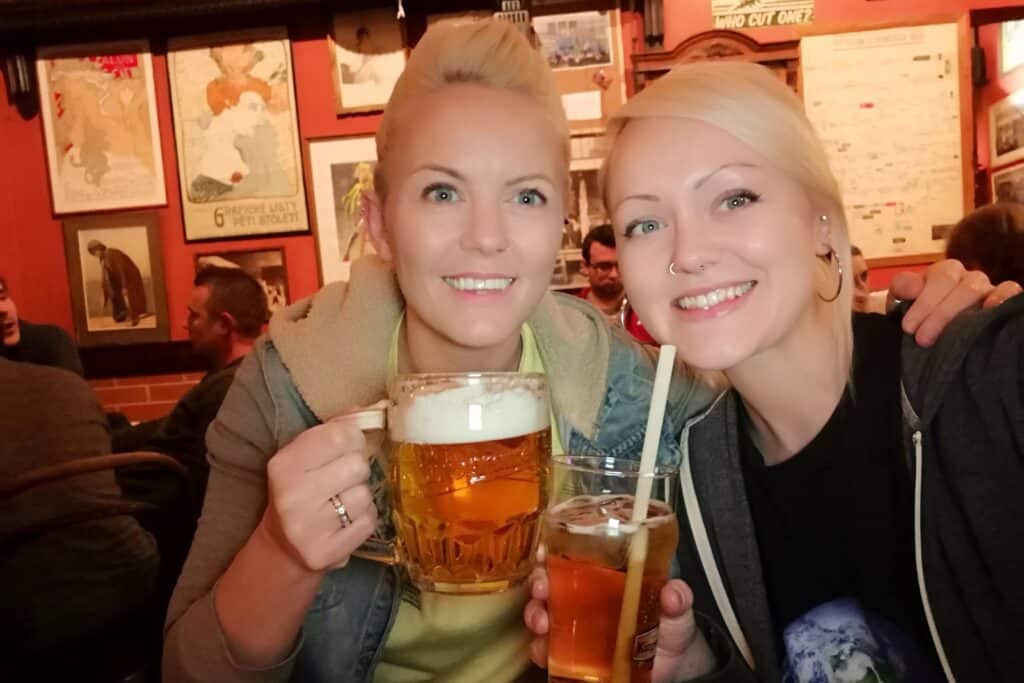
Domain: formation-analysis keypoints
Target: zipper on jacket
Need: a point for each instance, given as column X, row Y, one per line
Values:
column 918, row 559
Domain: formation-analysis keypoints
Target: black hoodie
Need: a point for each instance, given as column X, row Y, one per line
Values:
column 963, row 413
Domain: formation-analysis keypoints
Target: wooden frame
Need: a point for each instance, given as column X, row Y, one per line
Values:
column 1008, row 184
column 239, row 158
column 256, row 263
column 334, row 164
column 363, row 77
column 100, row 157
column 1006, row 129
column 782, row 56
column 919, row 248
column 117, row 283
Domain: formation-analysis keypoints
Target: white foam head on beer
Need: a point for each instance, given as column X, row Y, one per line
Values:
column 466, row 414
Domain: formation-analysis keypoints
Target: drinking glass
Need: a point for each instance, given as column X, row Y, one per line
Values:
column 587, row 534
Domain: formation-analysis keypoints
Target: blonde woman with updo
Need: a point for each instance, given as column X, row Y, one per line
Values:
column 467, row 214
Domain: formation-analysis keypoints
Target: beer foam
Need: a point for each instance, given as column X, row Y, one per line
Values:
column 466, row 414
column 594, row 515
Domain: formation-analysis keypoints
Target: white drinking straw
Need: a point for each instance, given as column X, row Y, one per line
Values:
column 623, row 662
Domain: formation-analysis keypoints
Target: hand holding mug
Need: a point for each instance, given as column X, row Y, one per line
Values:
column 320, row 508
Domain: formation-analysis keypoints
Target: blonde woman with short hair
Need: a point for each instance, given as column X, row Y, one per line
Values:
column 467, row 219
column 852, row 505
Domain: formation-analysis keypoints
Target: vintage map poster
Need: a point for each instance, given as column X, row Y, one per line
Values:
column 886, row 103
column 99, row 118
column 236, row 134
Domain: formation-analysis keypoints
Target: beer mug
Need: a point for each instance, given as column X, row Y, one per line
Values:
column 462, row 480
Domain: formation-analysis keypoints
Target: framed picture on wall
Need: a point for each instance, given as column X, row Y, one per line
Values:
column 98, row 108
column 116, row 274
column 237, row 134
column 586, row 208
column 569, row 271
column 1008, row 184
column 1006, row 129
column 340, row 170
column 1011, row 45
column 266, row 265
column 368, row 56
column 585, row 51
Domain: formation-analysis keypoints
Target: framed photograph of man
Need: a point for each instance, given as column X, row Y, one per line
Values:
column 237, row 134
column 368, row 56
column 115, row 269
column 1006, row 129
column 98, row 108
column 1008, row 184
column 266, row 265
column 340, row 170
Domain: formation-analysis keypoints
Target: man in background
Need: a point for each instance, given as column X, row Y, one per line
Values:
column 91, row 569
column 606, row 291
column 601, row 266
column 226, row 314
column 26, row 342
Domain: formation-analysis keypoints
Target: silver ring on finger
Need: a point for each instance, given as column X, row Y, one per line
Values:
column 339, row 508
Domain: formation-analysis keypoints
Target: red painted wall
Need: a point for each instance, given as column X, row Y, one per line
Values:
column 31, row 240
column 31, row 237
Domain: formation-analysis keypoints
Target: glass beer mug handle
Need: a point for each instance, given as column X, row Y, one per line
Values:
column 382, row 545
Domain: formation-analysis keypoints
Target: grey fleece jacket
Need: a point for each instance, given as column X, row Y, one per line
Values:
column 963, row 414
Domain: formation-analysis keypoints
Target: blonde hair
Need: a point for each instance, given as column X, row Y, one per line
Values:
column 753, row 105
column 486, row 52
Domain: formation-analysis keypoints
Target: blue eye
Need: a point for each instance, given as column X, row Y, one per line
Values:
column 531, row 197
column 643, row 226
column 440, row 193
column 740, row 199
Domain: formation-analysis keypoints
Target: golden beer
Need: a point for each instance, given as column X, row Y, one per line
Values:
column 468, row 470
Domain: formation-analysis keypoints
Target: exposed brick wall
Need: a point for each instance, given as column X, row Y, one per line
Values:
column 146, row 397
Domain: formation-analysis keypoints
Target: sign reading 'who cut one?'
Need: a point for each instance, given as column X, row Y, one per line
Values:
column 744, row 14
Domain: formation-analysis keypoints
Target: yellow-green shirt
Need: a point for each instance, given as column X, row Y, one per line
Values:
column 461, row 638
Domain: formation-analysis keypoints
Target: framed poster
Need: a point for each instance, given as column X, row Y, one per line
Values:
column 368, row 56
column 1008, row 184
column 892, row 107
column 267, row 266
column 98, row 108
column 585, row 51
column 586, row 208
column 115, row 269
column 569, row 271
column 340, row 169
column 1011, row 45
column 237, row 135
column 1006, row 129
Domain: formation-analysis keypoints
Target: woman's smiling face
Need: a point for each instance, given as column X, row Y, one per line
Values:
column 742, row 239
column 472, row 218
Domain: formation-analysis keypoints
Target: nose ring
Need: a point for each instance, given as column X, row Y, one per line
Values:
column 672, row 268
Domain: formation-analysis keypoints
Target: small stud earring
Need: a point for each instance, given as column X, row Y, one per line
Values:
column 823, row 218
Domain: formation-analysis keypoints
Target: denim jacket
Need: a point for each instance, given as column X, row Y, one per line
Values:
column 309, row 370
